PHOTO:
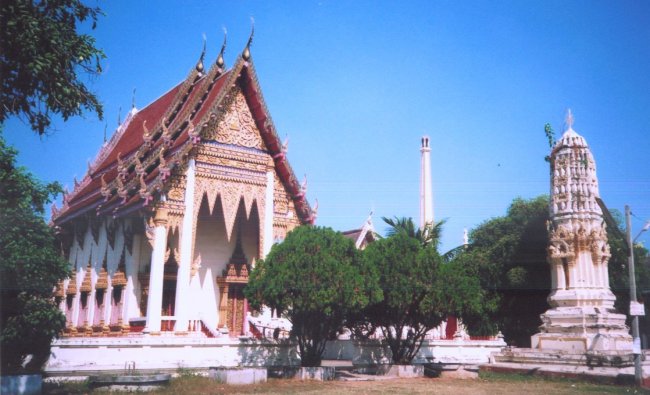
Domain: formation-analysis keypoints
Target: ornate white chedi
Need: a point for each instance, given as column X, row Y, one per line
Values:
column 582, row 316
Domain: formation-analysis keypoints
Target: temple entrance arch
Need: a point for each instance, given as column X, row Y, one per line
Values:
column 233, row 307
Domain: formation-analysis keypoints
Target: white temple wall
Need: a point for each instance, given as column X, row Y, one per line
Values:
column 183, row 278
column 133, row 290
column 75, row 300
column 113, row 260
column 211, row 240
column 212, row 246
column 250, row 234
column 79, row 356
column 82, row 263
column 207, row 293
column 99, row 249
column 268, row 214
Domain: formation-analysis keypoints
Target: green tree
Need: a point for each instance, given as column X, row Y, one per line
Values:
column 419, row 290
column 508, row 254
column 41, row 57
column 619, row 280
column 316, row 279
column 30, row 268
column 428, row 235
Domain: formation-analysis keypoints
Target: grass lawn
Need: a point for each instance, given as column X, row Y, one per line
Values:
column 489, row 384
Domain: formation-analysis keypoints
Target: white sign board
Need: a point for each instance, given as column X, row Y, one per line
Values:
column 637, row 308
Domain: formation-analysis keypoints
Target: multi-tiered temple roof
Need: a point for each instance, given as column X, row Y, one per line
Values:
column 132, row 169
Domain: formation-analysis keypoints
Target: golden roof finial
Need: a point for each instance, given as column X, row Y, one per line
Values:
column 220, row 61
column 247, row 51
column 199, row 65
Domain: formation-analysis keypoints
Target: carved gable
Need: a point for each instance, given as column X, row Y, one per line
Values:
column 237, row 126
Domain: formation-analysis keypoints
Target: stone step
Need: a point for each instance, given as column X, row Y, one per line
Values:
column 527, row 356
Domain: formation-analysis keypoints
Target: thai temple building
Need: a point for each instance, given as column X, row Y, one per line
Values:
column 176, row 208
column 171, row 216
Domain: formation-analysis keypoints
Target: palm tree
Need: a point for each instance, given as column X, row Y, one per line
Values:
column 429, row 235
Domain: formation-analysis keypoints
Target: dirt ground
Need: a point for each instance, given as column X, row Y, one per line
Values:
column 491, row 385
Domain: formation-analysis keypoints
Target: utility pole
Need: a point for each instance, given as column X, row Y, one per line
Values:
column 636, row 348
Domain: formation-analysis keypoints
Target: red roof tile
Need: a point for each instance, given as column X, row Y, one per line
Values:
column 200, row 96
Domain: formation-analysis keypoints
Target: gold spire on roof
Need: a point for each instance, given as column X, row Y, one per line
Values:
column 247, row 51
column 220, row 61
column 199, row 65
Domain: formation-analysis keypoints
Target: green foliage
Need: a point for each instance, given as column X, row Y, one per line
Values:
column 508, row 255
column 419, row 290
column 550, row 136
column 619, row 280
column 429, row 235
column 42, row 53
column 30, row 268
column 316, row 279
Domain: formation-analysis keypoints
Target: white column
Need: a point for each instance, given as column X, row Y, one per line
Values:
column 593, row 275
column 128, row 294
column 76, row 302
column 154, row 303
column 426, row 193
column 90, row 305
column 183, row 277
column 108, row 300
column 268, row 213
column 561, row 280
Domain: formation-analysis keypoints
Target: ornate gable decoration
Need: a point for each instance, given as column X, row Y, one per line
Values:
column 152, row 147
column 237, row 126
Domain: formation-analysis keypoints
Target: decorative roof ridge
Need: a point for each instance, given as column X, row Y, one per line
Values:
column 104, row 151
column 151, row 180
column 269, row 127
column 160, row 154
column 107, row 147
column 361, row 232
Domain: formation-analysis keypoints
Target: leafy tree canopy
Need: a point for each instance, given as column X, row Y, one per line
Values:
column 419, row 290
column 40, row 59
column 428, row 235
column 508, row 255
column 30, row 268
column 316, row 279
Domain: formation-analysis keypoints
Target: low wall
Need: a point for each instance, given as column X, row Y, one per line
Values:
column 84, row 356
column 376, row 352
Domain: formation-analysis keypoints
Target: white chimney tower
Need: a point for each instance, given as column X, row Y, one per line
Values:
column 426, row 194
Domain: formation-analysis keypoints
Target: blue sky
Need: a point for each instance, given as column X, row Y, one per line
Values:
column 354, row 85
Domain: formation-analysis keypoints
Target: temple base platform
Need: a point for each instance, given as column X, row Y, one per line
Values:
column 614, row 367
column 171, row 352
column 582, row 329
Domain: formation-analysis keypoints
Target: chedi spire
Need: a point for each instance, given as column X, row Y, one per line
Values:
column 582, row 315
